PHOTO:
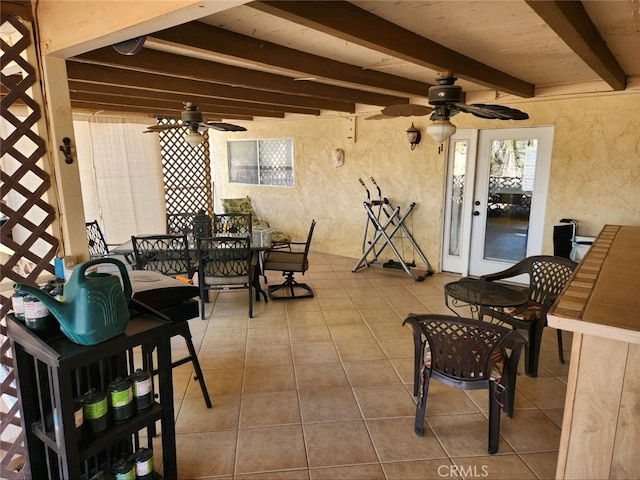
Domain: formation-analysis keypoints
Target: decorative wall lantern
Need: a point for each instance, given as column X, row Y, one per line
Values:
column 413, row 135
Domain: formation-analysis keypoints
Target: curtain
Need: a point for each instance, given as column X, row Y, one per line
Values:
column 121, row 176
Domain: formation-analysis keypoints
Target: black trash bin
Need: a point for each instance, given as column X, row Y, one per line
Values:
column 563, row 235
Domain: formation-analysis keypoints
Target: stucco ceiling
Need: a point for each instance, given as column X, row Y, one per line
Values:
column 277, row 59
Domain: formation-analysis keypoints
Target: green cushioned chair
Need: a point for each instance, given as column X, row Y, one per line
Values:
column 243, row 205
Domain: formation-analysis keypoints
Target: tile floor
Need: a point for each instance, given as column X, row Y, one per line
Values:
column 321, row 388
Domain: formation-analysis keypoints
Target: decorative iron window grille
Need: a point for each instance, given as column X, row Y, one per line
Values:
column 261, row 162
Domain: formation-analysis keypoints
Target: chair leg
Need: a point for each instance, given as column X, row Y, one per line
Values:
column 196, row 366
column 494, row 419
column 204, row 296
column 250, row 302
column 290, row 284
column 560, row 350
column 535, row 339
column 509, row 377
column 418, row 349
column 421, row 407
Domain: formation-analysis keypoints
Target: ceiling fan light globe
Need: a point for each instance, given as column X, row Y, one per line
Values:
column 440, row 130
column 193, row 138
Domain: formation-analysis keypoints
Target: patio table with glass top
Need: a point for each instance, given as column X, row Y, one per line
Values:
column 477, row 293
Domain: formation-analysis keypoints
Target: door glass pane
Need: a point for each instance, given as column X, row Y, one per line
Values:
column 457, row 196
column 509, row 201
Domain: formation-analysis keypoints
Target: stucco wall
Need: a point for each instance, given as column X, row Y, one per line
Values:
column 334, row 196
column 594, row 178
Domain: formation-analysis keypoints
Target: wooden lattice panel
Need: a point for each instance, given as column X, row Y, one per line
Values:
column 24, row 184
column 186, row 172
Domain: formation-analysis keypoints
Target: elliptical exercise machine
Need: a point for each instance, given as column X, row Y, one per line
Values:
column 383, row 233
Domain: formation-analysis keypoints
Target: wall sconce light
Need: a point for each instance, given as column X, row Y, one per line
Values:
column 66, row 150
column 441, row 129
column 193, row 138
column 413, row 135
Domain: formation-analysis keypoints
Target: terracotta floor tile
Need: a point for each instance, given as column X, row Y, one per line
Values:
column 268, row 336
column 531, row 431
column 221, row 358
column 385, row 401
column 507, row 467
column 259, row 379
column 196, row 417
column 543, row 465
column 343, row 317
column 312, row 376
column 350, row 333
column 372, row 372
column 377, row 315
column 328, row 405
column 264, row 409
column 323, row 352
column 278, row 354
column 466, row 434
column 359, row 351
column 338, row 444
column 309, row 334
column 420, row 470
column 218, row 459
column 305, row 318
column 219, row 382
column 395, row 440
column 302, row 474
column 544, row 392
column 269, row 449
column 355, row 472
column 336, row 303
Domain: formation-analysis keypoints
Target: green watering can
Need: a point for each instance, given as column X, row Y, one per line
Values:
column 95, row 307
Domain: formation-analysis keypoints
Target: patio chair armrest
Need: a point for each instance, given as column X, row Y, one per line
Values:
column 508, row 273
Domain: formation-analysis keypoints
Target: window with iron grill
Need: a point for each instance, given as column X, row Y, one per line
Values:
column 261, row 162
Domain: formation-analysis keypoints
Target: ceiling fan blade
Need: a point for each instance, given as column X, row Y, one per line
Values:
column 224, row 127
column 498, row 112
column 380, row 116
column 159, row 128
column 406, row 110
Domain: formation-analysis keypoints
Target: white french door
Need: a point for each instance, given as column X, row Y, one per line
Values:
column 495, row 198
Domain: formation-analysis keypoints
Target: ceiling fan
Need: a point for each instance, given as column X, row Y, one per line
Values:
column 445, row 99
column 192, row 119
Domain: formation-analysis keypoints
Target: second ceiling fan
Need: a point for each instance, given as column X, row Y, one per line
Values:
column 445, row 100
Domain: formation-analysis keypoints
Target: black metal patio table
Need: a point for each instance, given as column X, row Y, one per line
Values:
column 478, row 293
column 260, row 242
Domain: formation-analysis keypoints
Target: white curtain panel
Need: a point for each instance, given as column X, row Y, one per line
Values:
column 121, row 175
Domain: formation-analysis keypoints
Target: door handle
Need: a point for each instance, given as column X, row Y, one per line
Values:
column 476, row 213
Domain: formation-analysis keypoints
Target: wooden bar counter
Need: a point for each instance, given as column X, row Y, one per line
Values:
column 601, row 305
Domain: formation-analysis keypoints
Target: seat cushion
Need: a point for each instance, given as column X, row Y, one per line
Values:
column 532, row 311
column 219, row 281
column 241, row 205
column 286, row 261
column 278, row 236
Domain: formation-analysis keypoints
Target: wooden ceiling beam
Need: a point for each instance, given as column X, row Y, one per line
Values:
column 574, row 27
column 117, row 76
column 200, row 100
column 155, row 61
column 152, row 111
column 169, row 104
column 231, row 44
column 344, row 20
